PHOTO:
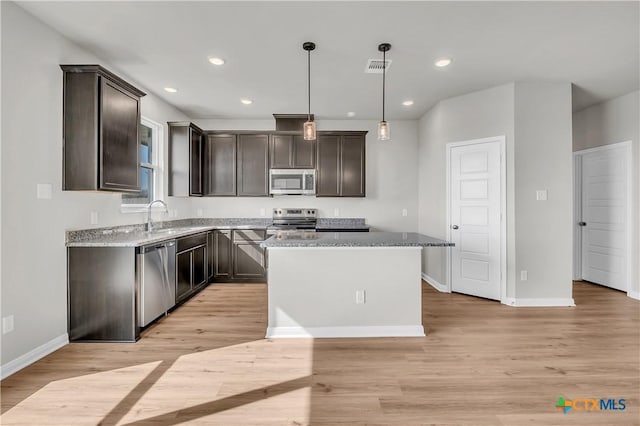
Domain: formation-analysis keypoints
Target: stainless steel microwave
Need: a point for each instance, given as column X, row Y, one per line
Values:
column 292, row 182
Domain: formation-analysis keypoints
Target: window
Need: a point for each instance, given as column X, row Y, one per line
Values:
column 150, row 168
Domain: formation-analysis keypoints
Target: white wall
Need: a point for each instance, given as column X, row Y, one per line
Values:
column 473, row 116
column 33, row 250
column 391, row 173
column 610, row 122
column 543, row 160
column 535, row 119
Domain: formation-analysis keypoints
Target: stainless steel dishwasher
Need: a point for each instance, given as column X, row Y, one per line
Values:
column 157, row 282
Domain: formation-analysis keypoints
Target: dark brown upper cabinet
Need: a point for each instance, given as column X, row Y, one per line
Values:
column 253, row 165
column 101, row 125
column 185, row 160
column 341, row 170
column 292, row 152
column 220, row 165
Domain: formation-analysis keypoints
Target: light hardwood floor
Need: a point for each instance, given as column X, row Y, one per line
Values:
column 481, row 363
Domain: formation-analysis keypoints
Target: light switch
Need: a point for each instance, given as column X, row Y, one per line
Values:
column 404, row 212
column 44, row 191
column 336, row 212
column 199, row 213
column 94, row 218
column 541, row 195
column 263, row 212
column 360, row 294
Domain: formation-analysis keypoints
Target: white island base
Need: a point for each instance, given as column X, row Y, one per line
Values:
column 315, row 292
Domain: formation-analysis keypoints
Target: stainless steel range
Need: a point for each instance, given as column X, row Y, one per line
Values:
column 293, row 220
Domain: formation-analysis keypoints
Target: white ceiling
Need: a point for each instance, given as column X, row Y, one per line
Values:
column 594, row 45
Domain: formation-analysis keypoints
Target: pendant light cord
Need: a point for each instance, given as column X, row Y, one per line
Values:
column 309, row 84
column 384, row 73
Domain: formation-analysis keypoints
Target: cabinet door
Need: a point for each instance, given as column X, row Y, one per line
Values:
column 210, row 255
column 248, row 260
column 281, row 151
column 195, row 159
column 119, row 139
column 328, row 166
column 220, row 165
column 222, row 261
column 199, row 258
column 253, row 165
column 352, row 166
column 183, row 274
column 304, row 153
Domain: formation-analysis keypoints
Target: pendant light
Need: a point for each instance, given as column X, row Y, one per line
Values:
column 309, row 128
column 384, row 132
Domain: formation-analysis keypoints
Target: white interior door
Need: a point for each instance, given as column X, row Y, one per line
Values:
column 475, row 182
column 604, row 217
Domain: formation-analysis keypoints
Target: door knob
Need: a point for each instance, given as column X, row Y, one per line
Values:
column 582, row 223
column 454, row 227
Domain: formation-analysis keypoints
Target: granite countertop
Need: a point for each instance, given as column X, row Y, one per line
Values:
column 135, row 235
column 341, row 223
column 353, row 239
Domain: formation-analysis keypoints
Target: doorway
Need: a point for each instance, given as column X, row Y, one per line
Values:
column 602, row 223
column 476, row 185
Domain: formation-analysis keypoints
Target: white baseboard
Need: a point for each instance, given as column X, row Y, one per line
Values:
column 357, row 331
column 32, row 356
column 634, row 294
column 435, row 284
column 524, row 302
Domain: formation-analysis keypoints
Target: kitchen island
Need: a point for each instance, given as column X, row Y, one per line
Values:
column 340, row 284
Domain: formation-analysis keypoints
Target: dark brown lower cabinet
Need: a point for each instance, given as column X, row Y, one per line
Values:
column 238, row 255
column 222, row 255
column 191, row 265
column 183, row 275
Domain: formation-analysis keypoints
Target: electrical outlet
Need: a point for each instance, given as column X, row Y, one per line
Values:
column 199, row 213
column 523, row 275
column 93, row 220
column 404, row 212
column 336, row 212
column 541, row 195
column 360, row 297
column 263, row 212
column 44, row 191
column 7, row 324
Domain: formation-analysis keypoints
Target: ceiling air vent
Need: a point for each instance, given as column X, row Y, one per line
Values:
column 375, row 66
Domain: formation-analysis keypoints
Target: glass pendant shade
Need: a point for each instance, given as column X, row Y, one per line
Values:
column 384, row 132
column 309, row 130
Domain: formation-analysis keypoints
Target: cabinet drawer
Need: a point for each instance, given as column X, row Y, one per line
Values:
column 192, row 241
column 240, row 235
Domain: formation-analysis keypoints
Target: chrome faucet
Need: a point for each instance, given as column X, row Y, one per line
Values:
column 149, row 221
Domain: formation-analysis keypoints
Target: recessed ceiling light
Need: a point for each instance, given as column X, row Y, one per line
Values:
column 246, row 101
column 407, row 103
column 170, row 89
column 351, row 114
column 216, row 61
column 442, row 62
